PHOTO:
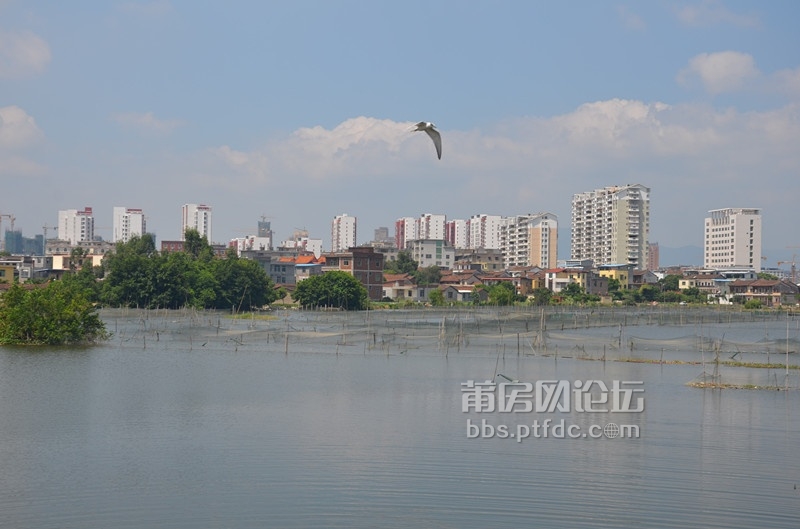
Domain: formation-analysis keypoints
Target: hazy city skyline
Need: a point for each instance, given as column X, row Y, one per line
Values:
column 131, row 103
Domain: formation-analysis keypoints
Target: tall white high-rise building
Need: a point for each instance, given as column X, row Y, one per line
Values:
column 611, row 225
column 732, row 239
column 343, row 232
column 405, row 229
column 196, row 217
column 127, row 223
column 431, row 226
column 530, row 240
column 457, row 233
column 484, row 231
column 76, row 226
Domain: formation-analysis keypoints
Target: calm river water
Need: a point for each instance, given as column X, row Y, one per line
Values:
column 187, row 421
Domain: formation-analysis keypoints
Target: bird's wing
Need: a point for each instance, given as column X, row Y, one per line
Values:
column 437, row 140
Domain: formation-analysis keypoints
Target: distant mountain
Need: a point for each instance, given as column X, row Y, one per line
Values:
column 684, row 255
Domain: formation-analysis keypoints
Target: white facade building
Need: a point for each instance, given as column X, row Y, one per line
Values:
column 432, row 252
column 76, row 226
column 196, row 217
column 405, row 229
column 732, row 239
column 484, row 231
column 457, row 233
column 127, row 223
column 611, row 225
column 530, row 240
column 303, row 243
column 431, row 226
column 251, row 242
column 343, row 233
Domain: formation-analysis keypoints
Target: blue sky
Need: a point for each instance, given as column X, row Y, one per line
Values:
column 301, row 111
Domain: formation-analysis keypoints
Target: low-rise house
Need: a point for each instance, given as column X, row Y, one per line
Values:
column 481, row 259
column 307, row 266
column 558, row 278
column 285, row 267
column 463, row 293
column 770, row 292
column 219, row 250
column 711, row 284
column 92, row 253
column 621, row 272
column 643, row 277
column 522, row 284
column 464, row 277
column 399, row 287
column 364, row 263
column 7, row 273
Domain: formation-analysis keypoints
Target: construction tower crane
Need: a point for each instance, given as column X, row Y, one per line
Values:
column 793, row 269
column 10, row 217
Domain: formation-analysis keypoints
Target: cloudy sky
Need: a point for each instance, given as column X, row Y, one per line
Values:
column 301, row 110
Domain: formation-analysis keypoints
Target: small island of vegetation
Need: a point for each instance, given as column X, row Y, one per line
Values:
column 53, row 314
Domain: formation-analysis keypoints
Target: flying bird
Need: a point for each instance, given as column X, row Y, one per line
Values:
column 430, row 129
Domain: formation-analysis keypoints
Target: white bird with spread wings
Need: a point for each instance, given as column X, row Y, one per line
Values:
column 430, row 129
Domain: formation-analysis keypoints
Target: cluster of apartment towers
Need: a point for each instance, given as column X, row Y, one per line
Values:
column 608, row 226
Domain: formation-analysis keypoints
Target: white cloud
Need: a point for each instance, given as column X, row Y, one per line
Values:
column 377, row 169
column 630, row 19
column 721, row 72
column 253, row 164
column 22, row 54
column 147, row 122
column 787, row 82
column 357, row 147
column 595, row 136
column 714, row 12
column 17, row 129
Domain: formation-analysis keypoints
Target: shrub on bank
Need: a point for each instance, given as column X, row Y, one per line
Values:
column 58, row 313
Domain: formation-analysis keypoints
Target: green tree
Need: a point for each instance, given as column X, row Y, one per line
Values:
column 475, row 297
column 332, row 289
column 436, row 298
column 243, row 284
column 138, row 276
column 129, row 278
column 765, row 275
column 752, row 304
column 615, row 289
column 56, row 314
column 404, row 264
column 694, row 295
column 670, row 282
column 86, row 279
column 197, row 245
column 503, row 293
column 649, row 292
column 542, row 296
column 671, row 296
column 430, row 275
column 574, row 293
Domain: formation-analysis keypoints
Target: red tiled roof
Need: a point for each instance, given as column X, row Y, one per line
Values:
column 391, row 278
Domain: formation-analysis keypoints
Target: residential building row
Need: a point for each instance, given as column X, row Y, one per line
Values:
column 609, row 226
